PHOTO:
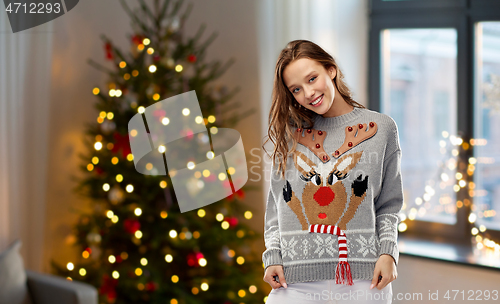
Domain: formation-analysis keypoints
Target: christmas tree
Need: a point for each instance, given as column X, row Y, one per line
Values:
column 136, row 246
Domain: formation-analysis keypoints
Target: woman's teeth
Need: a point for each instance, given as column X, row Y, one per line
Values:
column 317, row 100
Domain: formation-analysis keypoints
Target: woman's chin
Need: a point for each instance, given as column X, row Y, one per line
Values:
column 322, row 109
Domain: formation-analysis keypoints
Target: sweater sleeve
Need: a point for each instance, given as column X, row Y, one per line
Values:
column 389, row 202
column 272, row 254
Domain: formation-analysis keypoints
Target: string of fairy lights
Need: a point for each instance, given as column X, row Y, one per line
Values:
column 461, row 181
column 116, row 194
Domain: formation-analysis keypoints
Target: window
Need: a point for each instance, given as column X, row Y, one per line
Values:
column 397, row 110
column 441, row 117
column 487, row 125
column 434, row 67
column 418, row 77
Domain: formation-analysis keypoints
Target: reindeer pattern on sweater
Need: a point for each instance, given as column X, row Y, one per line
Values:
column 335, row 180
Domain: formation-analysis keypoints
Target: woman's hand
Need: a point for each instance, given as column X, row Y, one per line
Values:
column 385, row 267
column 275, row 270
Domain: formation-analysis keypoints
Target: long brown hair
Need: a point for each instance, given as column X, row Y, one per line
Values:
column 285, row 115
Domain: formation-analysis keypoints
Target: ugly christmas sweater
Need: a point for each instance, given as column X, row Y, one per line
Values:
column 337, row 209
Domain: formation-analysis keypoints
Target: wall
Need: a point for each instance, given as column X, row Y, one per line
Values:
column 419, row 275
column 24, row 93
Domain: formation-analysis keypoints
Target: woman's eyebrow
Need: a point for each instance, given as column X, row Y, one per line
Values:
column 307, row 76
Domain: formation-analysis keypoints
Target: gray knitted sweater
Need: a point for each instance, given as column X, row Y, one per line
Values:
column 337, row 209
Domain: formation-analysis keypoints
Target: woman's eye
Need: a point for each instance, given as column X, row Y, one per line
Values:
column 309, row 80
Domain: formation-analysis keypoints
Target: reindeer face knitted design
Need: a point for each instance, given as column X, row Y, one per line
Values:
column 325, row 213
column 336, row 210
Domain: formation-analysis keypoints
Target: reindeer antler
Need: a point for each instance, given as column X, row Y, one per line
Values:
column 353, row 138
column 316, row 144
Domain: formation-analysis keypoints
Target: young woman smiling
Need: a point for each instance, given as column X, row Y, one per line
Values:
column 332, row 210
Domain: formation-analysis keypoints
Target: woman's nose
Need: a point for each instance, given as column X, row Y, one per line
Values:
column 309, row 93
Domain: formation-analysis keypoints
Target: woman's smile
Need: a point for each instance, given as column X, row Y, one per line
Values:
column 317, row 101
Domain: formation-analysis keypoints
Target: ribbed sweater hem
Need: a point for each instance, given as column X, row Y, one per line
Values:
column 326, row 271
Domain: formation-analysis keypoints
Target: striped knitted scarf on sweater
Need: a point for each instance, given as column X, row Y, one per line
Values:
column 343, row 270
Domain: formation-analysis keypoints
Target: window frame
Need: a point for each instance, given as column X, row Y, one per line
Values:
column 461, row 15
column 381, row 5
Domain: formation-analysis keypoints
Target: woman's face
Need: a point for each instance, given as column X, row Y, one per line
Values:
column 311, row 84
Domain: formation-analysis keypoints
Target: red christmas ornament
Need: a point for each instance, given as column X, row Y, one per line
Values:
column 99, row 170
column 109, row 51
column 119, row 259
column 123, row 88
column 156, row 58
column 131, row 225
column 108, row 287
column 191, row 58
column 137, row 39
column 191, row 260
column 150, row 286
column 240, row 193
column 233, row 221
column 121, row 143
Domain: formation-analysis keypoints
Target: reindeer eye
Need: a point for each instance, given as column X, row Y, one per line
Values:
column 316, row 180
column 313, row 177
column 330, row 179
column 339, row 175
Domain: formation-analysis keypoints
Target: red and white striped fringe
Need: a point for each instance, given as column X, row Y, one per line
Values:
column 343, row 270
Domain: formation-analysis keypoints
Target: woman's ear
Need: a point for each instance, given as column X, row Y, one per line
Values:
column 333, row 72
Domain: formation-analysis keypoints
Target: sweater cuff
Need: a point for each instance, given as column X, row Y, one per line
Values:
column 272, row 257
column 390, row 248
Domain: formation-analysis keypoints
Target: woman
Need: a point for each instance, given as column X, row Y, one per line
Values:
column 332, row 211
